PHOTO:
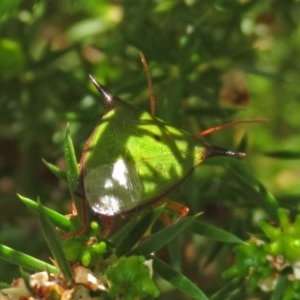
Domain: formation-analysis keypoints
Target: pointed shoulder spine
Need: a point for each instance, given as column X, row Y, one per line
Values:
column 110, row 99
column 212, row 150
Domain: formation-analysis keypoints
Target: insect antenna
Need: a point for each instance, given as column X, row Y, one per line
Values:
column 226, row 125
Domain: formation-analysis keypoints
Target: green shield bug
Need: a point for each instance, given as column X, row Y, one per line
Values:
column 133, row 158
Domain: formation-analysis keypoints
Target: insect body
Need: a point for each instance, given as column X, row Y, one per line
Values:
column 133, row 158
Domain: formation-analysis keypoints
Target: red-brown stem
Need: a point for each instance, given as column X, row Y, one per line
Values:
column 149, row 83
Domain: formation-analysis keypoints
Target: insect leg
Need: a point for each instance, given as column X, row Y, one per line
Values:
column 83, row 219
column 180, row 209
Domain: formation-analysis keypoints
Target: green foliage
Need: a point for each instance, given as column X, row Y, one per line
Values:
column 211, row 62
column 24, row 260
column 129, row 278
column 124, row 277
column 271, row 264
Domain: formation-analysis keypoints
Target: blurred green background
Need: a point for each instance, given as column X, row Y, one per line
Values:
column 212, row 61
